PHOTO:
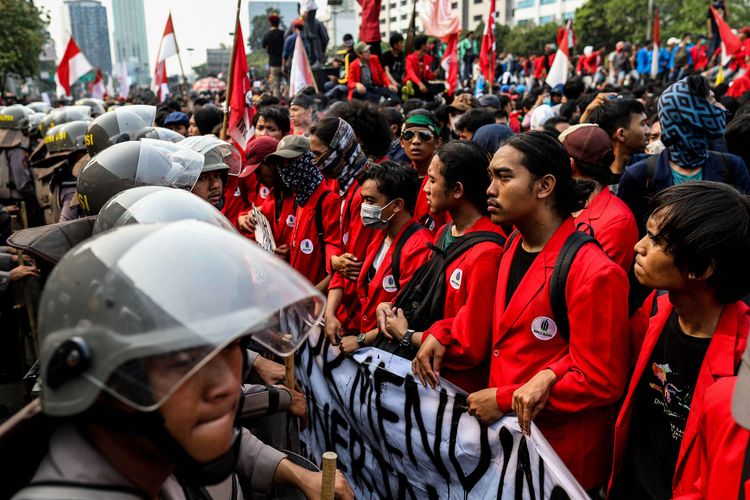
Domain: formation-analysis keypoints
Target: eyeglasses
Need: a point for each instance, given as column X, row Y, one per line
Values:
column 424, row 135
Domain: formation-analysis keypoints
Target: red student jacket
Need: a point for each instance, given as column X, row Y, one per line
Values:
column 379, row 78
column 369, row 26
column 307, row 254
column 467, row 316
column 416, row 70
column 591, row 368
column 613, row 225
column 355, row 239
column 283, row 227
column 721, row 446
column 382, row 287
column 723, row 356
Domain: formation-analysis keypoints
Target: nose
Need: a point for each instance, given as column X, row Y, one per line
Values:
column 221, row 376
column 640, row 247
column 491, row 191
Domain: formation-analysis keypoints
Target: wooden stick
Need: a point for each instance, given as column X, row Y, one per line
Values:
column 228, row 101
column 29, row 308
column 329, row 475
column 289, row 372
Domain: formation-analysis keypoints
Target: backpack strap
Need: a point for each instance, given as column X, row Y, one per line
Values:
column 559, row 279
column 745, row 473
column 319, row 218
column 396, row 256
column 469, row 240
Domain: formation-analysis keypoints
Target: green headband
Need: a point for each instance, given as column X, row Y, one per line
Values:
column 423, row 121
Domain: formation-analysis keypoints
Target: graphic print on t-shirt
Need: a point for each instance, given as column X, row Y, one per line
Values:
column 673, row 400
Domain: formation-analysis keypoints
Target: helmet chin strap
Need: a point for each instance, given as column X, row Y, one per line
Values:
column 150, row 425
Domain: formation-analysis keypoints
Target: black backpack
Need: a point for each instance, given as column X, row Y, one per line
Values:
column 396, row 257
column 423, row 298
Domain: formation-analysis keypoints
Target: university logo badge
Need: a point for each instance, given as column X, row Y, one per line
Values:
column 264, row 192
column 389, row 284
column 290, row 220
column 455, row 279
column 543, row 328
column 306, row 246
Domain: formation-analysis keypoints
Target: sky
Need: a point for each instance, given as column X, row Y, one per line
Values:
column 198, row 24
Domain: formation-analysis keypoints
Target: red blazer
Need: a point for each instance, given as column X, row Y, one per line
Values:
column 466, row 327
column 382, row 288
column 418, row 71
column 422, row 214
column 379, row 78
column 720, row 446
column 284, row 226
column 700, row 57
column 306, row 252
column 591, row 369
column 234, row 202
column 723, row 356
column 614, row 227
column 369, row 27
column 355, row 239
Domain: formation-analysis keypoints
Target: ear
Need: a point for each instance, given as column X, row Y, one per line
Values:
column 458, row 190
column 619, row 135
column 710, row 269
column 546, row 186
column 574, row 168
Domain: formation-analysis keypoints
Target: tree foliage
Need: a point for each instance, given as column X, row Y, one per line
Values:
column 22, row 36
column 259, row 26
column 525, row 40
column 605, row 22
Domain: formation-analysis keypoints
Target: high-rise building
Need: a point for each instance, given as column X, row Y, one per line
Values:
column 87, row 20
column 131, row 46
column 538, row 12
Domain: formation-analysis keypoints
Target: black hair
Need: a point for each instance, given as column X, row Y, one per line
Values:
column 500, row 113
column 706, row 224
column 504, row 100
column 542, row 155
column 466, row 162
column 475, row 118
column 549, row 125
column 325, row 129
column 411, row 105
column 267, row 100
column 274, row 20
column 395, row 38
column 419, row 42
column 371, row 129
column 201, row 101
column 395, row 180
column 207, row 117
column 574, row 88
column 392, row 116
column 699, row 86
column 600, row 173
column 277, row 114
column 615, row 114
column 736, row 135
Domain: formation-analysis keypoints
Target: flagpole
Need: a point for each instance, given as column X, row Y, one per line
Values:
column 179, row 57
column 231, row 74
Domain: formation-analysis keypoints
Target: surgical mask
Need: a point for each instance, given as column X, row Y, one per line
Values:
column 372, row 216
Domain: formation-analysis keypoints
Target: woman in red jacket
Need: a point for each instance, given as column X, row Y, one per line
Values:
column 696, row 248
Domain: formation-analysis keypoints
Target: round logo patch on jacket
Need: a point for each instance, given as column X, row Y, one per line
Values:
column 306, row 247
column 263, row 192
column 455, row 279
column 543, row 328
column 389, row 284
column 290, row 220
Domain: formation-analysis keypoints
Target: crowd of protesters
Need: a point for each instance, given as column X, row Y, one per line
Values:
column 575, row 255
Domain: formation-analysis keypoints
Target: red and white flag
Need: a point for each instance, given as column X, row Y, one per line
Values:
column 439, row 20
column 487, row 53
column 97, row 89
column 300, row 75
column 730, row 43
column 123, row 81
column 73, row 66
column 655, row 49
column 167, row 48
column 558, row 73
column 241, row 110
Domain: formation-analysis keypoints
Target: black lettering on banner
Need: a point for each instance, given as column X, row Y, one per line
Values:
column 541, row 478
column 383, row 377
column 404, row 487
column 506, row 442
column 523, row 468
column 357, row 453
column 558, row 493
column 483, row 464
column 339, row 422
column 412, row 407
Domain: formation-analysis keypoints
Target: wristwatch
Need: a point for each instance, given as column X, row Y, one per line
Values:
column 361, row 340
column 406, row 341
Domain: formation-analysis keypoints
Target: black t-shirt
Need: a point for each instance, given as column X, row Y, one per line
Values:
column 273, row 42
column 662, row 404
column 522, row 261
column 395, row 65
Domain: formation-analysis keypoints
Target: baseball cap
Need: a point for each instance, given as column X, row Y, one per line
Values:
column 176, row 118
column 361, row 47
column 463, row 103
column 348, row 40
column 257, row 150
column 588, row 143
column 290, row 147
column 490, row 101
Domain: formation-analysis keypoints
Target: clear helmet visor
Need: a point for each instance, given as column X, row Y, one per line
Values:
column 71, row 114
column 160, row 133
column 146, row 113
column 156, row 204
column 165, row 304
column 210, row 145
column 162, row 163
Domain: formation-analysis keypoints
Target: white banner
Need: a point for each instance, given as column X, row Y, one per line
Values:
column 397, row 439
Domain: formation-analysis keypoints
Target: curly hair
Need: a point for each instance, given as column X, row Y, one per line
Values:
column 369, row 126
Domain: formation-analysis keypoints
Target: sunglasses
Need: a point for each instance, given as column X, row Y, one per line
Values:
column 424, row 135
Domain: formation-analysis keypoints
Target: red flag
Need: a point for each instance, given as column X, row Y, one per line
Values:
column 439, row 20
column 241, row 110
column 167, row 48
column 487, row 53
column 655, row 49
column 729, row 39
column 73, row 65
column 97, row 89
column 450, row 60
column 558, row 72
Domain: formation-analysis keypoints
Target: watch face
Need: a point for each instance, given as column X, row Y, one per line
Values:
column 361, row 338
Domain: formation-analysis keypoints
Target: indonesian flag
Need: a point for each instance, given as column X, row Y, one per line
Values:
column 97, row 89
column 558, row 73
column 123, row 81
column 439, row 20
column 655, row 50
column 730, row 43
column 241, row 110
column 110, row 88
column 73, row 66
column 167, row 48
column 301, row 74
column 487, row 53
